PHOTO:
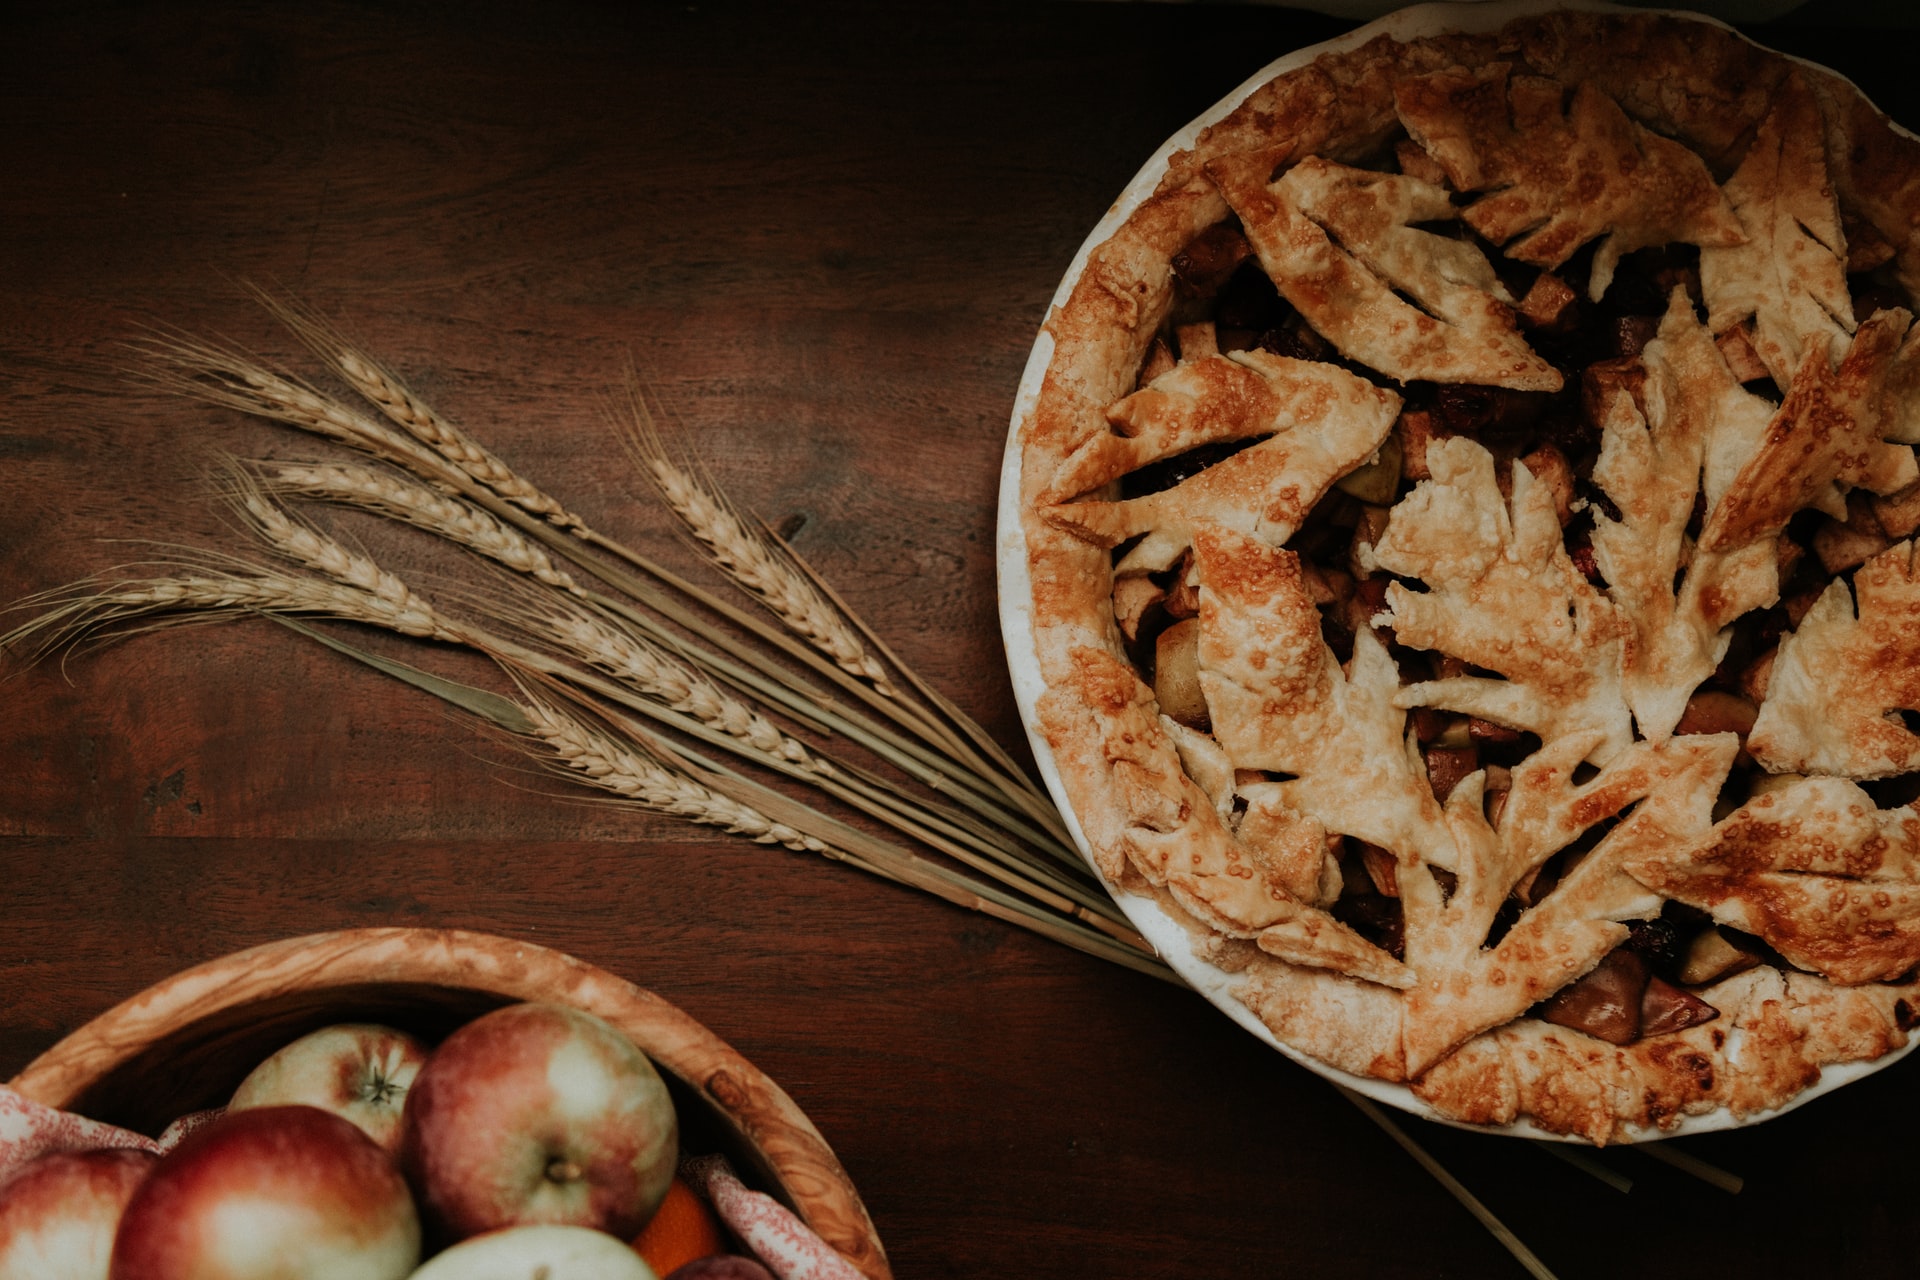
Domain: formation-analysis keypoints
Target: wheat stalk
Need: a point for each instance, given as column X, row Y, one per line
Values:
column 226, row 378
column 586, row 636
column 385, row 493
column 650, row 669
column 747, row 558
column 301, row 542
column 593, row 640
column 620, row 768
column 384, row 390
column 102, row 600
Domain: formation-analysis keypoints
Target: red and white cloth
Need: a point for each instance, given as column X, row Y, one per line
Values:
column 30, row 1129
column 787, row 1245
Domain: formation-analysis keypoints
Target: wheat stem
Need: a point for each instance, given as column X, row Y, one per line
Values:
column 633, row 775
column 81, row 608
column 1008, row 775
column 384, row 493
column 931, row 877
column 728, row 725
column 881, row 856
column 957, row 825
column 1455, row 1188
column 384, row 390
column 695, row 705
column 766, row 568
column 528, row 663
column 225, row 378
column 458, row 465
column 913, row 821
column 651, row 670
column 752, row 562
column 922, row 765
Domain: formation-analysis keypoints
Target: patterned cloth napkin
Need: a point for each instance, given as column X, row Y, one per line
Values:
column 29, row 1129
column 787, row 1245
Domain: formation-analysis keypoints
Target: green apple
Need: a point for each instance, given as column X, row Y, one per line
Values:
column 356, row 1070
column 531, row 1253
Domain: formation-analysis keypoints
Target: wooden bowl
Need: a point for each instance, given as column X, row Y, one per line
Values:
column 186, row 1043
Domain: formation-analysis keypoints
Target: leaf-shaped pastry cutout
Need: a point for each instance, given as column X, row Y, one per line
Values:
column 1791, row 274
column 1287, row 845
column 1560, row 174
column 1280, row 702
column 1320, row 422
column 1468, row 987
column 1839, row 680
column 1204, row 762
column 1902, row 392
column 1339, row 245
column 1348, row 1023
column 1503, row 594
column 1785, row 1027
column 1169, row 830
column 1828, row 879
column 1696, row 417
column 1317, row 940
column 1826, row 435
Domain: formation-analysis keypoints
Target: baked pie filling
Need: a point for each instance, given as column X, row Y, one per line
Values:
column 1471, row 513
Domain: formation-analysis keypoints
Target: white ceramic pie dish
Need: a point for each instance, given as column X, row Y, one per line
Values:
column 1168, row 936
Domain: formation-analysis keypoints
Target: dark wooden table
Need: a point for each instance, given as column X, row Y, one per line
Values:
column 829, row 234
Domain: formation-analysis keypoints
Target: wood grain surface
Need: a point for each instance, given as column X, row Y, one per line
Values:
column 827, row 234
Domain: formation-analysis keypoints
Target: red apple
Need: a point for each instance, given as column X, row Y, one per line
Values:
column 523, row 1253
column 538, row 1113
column 274, row 1193
column 356, row 1070
column 59, row 1212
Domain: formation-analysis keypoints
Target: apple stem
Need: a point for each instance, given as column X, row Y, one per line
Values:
column 561, row 1169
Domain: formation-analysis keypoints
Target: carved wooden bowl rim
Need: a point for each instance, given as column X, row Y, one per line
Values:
column 761, row 1115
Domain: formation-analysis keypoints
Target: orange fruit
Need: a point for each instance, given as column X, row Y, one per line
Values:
column 681, row 1229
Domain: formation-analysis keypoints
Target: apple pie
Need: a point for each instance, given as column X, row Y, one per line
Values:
column 1470, row 506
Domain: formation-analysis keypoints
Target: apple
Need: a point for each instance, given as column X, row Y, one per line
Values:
column 356, row 1070
column 538, row 1113
column 534, row 1252
column 58, row 1213
column 271, row 1193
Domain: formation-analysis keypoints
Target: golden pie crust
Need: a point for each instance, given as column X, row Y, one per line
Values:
column 1565, row 129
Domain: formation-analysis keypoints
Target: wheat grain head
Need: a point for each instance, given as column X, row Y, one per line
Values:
column 387, row 493
column 220, row 376
column 387, row 393
column 742, row 553
column 581, row 751
column 105, row 602
column 650, row 669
